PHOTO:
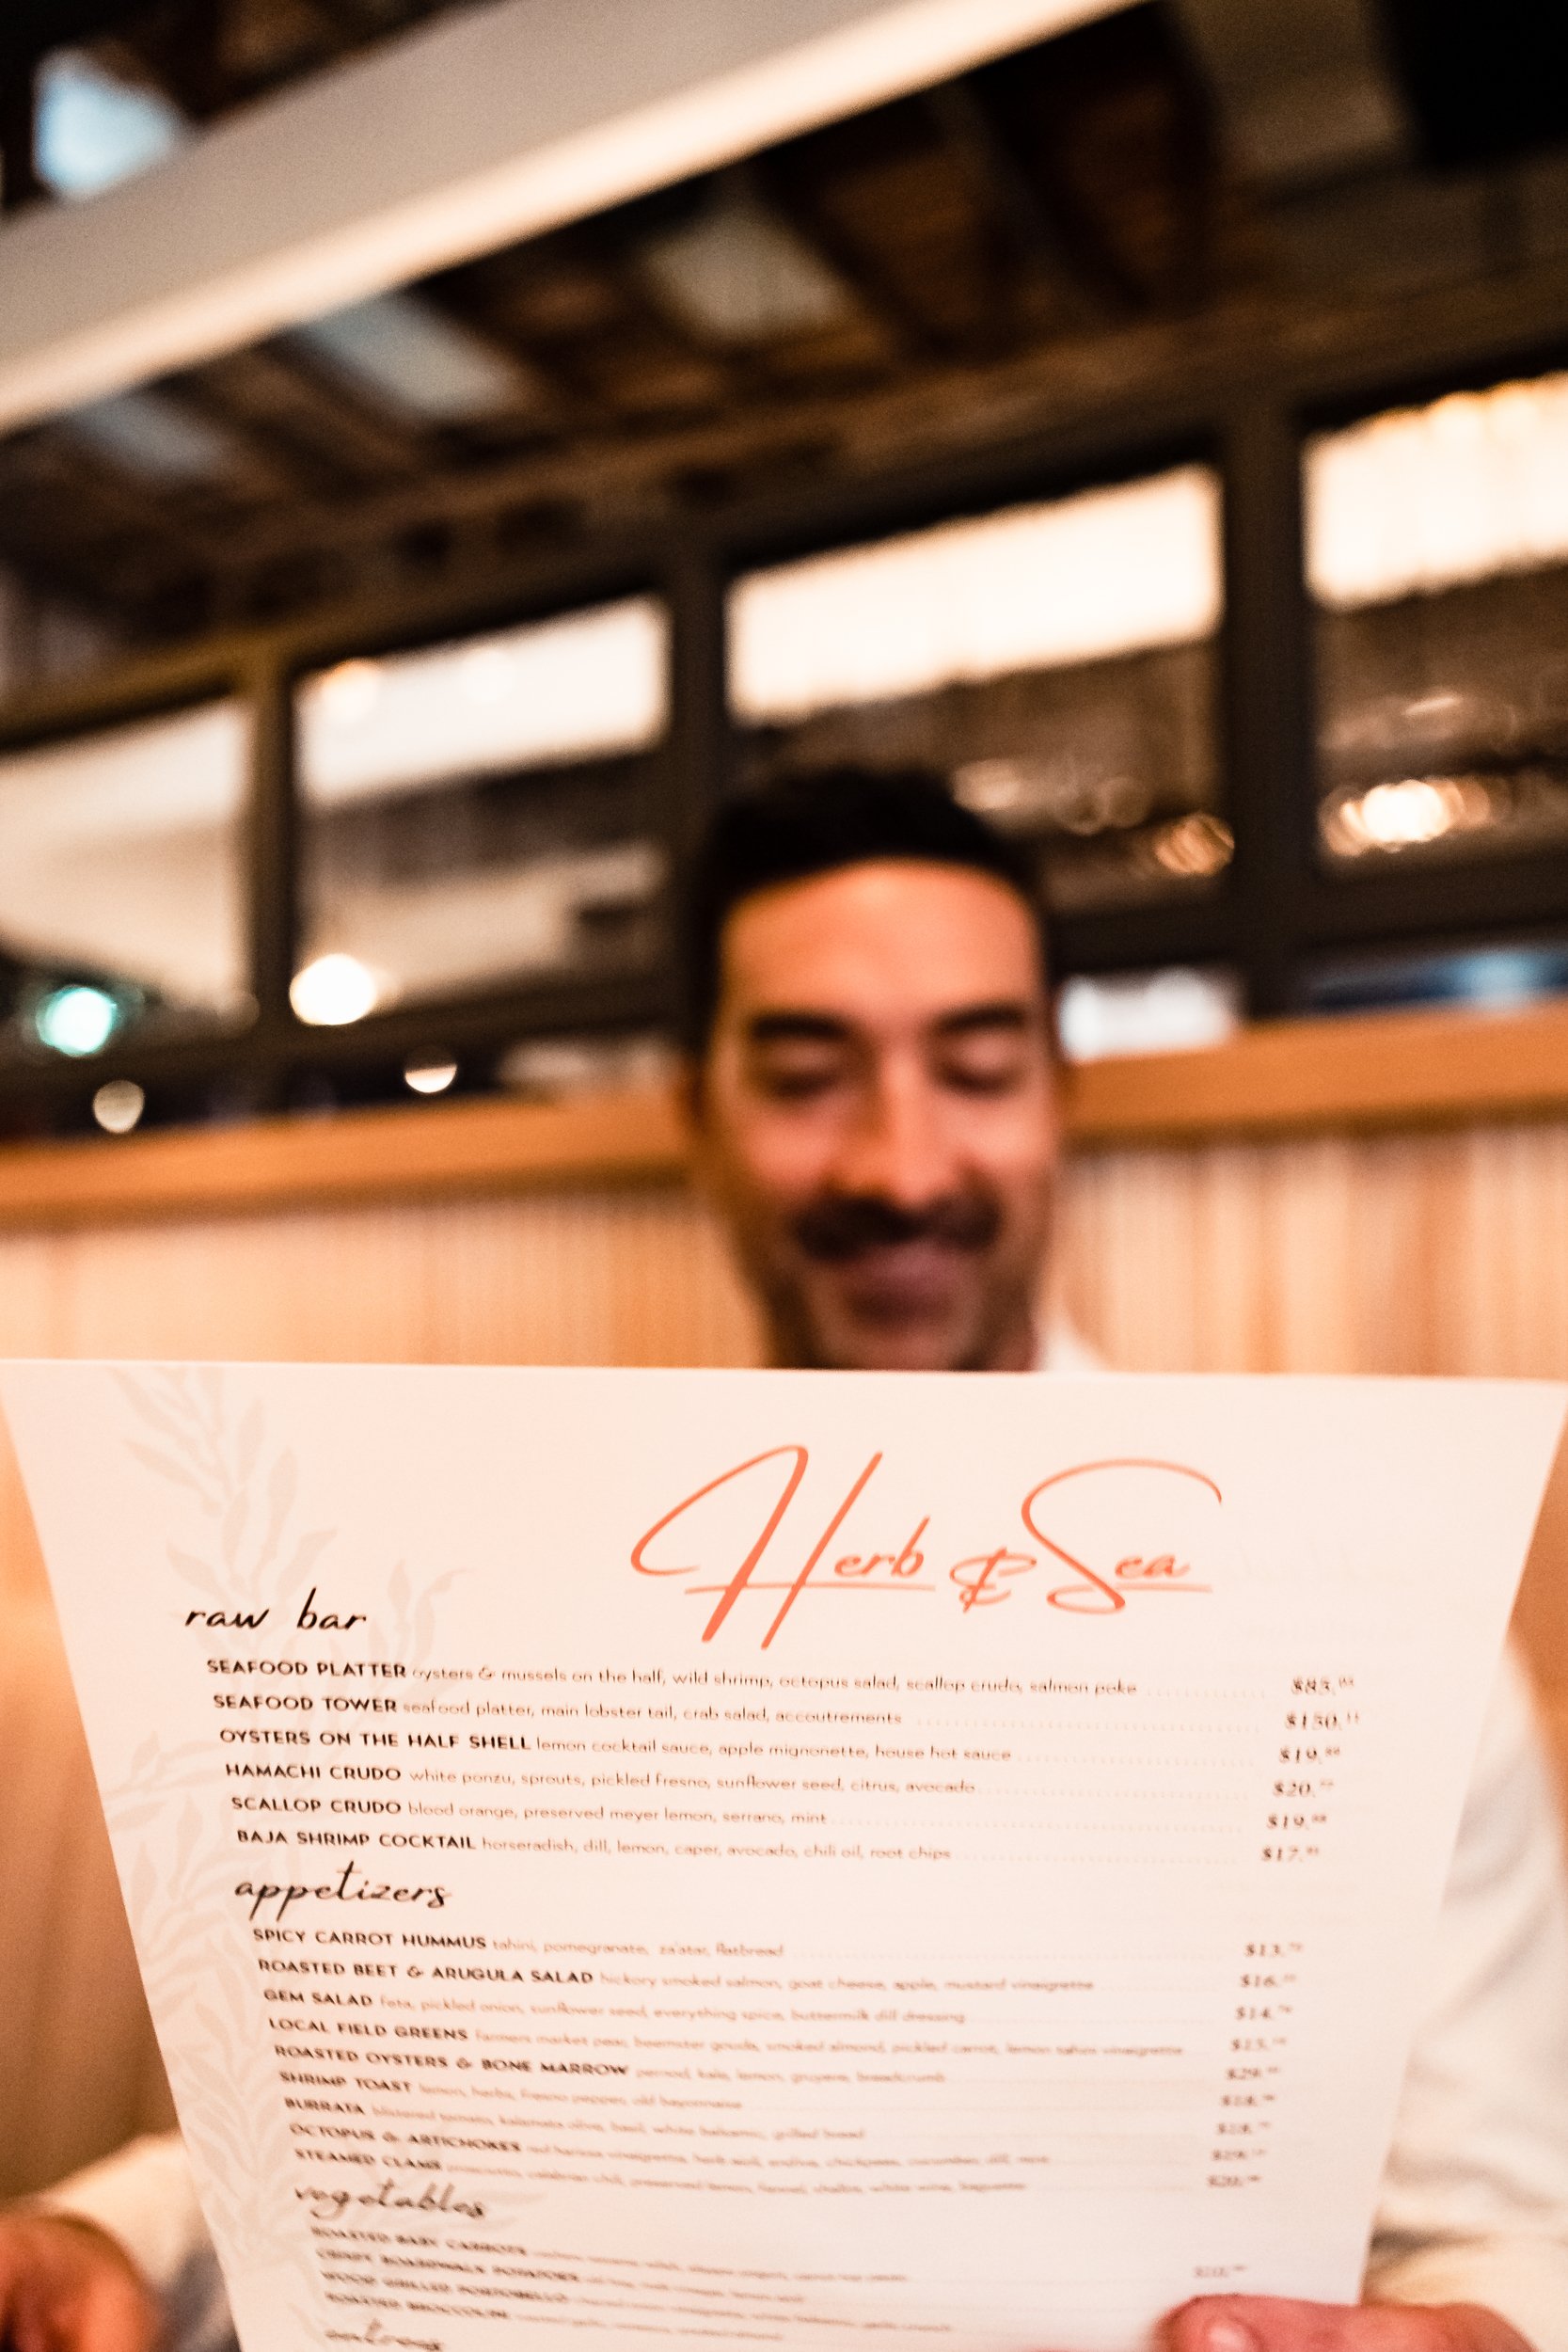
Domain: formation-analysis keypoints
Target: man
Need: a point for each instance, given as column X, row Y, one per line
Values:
column 873, row 1105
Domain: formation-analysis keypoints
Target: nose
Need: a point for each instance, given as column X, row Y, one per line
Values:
column 899, row 1148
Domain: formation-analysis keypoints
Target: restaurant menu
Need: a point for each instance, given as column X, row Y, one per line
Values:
column 771, row 1858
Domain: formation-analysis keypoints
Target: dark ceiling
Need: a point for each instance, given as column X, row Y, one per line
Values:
column 1485, row 83
column 213, row 55
column 953, row 263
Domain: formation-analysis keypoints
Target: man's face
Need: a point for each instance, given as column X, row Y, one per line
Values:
column 876, row 1117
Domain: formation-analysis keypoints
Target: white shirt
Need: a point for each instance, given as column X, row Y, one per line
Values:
column 1474, row 2206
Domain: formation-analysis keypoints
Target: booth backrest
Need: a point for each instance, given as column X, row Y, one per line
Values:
column 79, row 2069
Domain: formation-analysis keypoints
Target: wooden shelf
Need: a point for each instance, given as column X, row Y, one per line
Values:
column 480, row 1146
column 1399, row 1069
column 1385, row 1069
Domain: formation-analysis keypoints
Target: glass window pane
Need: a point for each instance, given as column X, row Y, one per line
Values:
column 121, row 895
column 1174, row 1011
column 1488, row 978
column 482, row 814
column 1055, row 660
column 1437, row 553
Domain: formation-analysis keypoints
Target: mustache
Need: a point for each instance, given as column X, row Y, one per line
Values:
column 842, row 1227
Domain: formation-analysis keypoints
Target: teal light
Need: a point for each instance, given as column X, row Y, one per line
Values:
column 76, row 1019
column 94, row 130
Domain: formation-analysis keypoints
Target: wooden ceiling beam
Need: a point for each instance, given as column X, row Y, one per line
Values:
column 269, row 391
column 1031, row 224
column 1145, row 370
column 51, row 567
column 181, row 48
column 786, row 190
column 160, row 521
column 1109, row 381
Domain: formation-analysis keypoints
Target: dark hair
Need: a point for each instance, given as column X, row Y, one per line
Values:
column 802, row 825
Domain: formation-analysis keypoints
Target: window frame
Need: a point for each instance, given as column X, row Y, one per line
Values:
column 1273, row 913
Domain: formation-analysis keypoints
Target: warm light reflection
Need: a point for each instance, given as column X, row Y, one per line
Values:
column 119, row 1106
column 1063, row 791
column 1194, row 847
column 429, row 1077
column 333, row 991
column 1406, row 815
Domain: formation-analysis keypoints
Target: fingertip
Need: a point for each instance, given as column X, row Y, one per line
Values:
column 1211, row 2324
column 1174, row 2334
column 115, row 2315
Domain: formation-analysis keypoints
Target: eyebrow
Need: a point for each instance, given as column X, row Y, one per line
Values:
column 792, row 1028
column 1007, row 1013
column 789, row 1028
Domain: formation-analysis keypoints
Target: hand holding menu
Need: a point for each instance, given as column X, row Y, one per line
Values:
column 778, row 1858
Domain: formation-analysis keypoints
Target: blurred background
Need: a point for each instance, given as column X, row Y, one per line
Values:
column 446, row 448
column 1156, row 426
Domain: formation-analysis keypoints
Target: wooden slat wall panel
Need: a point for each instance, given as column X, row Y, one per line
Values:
column 578, row 1277
column 1438, row 1253
column 1443, row 1253
column 79, row 2069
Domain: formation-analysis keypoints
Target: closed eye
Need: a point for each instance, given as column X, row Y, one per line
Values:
column 990, row 1051
column 792, row 1056
column 796, row 1071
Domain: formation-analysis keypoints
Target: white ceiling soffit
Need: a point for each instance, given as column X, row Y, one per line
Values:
column 488, row 125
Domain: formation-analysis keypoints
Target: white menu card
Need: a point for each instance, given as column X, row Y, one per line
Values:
column 778, row 1858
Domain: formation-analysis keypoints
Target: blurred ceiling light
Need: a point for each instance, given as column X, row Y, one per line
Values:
column 334, row 989
column 147, row 434
column 119, row 1106
column 1420, row 499
column 93, row 130
column 590, row 684
column 1175, row 1010
column 739, row 273
column 1194, row 847
column 429, row 1077
column 1405, row 815
column 1033, row 588
column 412, row 358
column 76, row 1019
